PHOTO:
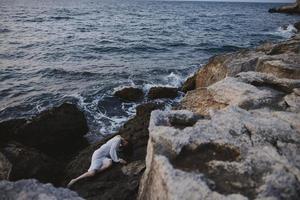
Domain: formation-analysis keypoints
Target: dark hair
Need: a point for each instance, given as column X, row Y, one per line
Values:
column 127, row 150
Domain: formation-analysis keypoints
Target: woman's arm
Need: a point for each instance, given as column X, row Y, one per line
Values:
column 113, row 150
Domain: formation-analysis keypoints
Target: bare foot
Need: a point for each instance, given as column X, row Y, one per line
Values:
column 71, row 183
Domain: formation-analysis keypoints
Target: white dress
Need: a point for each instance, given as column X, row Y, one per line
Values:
column 106, row 152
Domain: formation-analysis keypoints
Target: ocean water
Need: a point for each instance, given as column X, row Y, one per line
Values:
column 82, row 51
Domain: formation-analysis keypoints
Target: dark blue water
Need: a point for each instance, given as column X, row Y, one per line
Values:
column 81, row 51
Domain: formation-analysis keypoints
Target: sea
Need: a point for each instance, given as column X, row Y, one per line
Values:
column 82, row 51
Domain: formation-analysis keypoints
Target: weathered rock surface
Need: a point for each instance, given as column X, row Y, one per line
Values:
column 118, row 182
column 234, row 155
column 20, row 162
column 290, row 9
column 189, row 84
column 247, row 146
column 57, row 132
column 31, row 189
column 162, row 92
column 281, row 60
column 130, row 94
column 5, row 167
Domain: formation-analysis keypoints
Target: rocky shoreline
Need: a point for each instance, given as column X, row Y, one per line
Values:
column 235, row 135
column 289, row 9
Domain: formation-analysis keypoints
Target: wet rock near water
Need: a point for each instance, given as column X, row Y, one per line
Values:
column 58, row 132
column 118, row 182
column 22, row 163
column 31, row 189
column 189, row 84
column 162, row 92
column 40, row 147
column 130, row 94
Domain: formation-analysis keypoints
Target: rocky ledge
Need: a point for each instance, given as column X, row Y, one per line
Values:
column 31, row 189
column 236, row 135
column 290, row 9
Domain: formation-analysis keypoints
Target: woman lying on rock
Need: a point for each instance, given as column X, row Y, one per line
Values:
column 102, row 158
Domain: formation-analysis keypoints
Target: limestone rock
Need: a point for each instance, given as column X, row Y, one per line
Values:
column 281, row 60
column 234, row 155
column 289, row 9
column 224, row 65
column 134, row 168
column 31, row 189
column 268, row 80
column 232, row 92
column 286, row 67
column 200, row 101
column 293, row 102
column 130, row 94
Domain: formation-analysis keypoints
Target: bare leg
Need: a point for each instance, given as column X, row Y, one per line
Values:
column 106, row 164
column 85, row 175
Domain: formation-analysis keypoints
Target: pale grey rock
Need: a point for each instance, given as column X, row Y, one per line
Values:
column 33, row 190
column 285, row 65
column 290, row 117
column 133, row 168
column 263, row 79
column 235, row 154
column 293, row 101
column 231, row 91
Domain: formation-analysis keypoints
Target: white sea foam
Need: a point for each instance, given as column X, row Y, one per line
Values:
column 286, row 31
column 174, row 79
column 100, row 122
column 103, row 123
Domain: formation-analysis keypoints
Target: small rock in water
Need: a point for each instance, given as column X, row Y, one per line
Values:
column 130, row 94
column 162, row 92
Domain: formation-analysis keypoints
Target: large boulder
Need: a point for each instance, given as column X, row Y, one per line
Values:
column 8, row 129
column 58, row 132
column 130, row 94
column 22, row 162
column 281, row 60
column 118, row 182
column 31, row 189
column 224, row 65
column 162, row 92
column 290, row 9
column 236, row 154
